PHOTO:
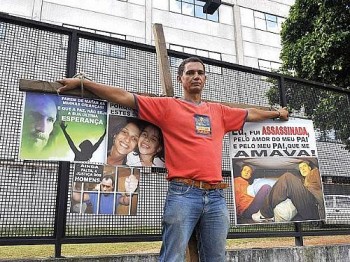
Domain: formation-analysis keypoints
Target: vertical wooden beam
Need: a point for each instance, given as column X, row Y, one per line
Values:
column 168, row 90
column 163, row 62
column 192, row 249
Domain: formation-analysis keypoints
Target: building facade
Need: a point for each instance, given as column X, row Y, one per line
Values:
column 244, row 32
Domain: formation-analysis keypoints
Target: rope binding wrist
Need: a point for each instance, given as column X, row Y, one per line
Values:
column 81, row 76
column 279, row 112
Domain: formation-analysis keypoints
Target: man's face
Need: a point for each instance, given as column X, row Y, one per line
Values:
column 246, row 172
column 193, row 78
column 304, row 169
column 149, row 142
column 107, row 186
column 40, row 116
column 126, row 140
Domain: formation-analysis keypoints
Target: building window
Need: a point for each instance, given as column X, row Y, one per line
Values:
column 192, row 8
column 99, row 48
column 2, row 30
column 175, row 62
column 267, row 22
column 268, row 65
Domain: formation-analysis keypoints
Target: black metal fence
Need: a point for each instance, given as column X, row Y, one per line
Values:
column 34, row 195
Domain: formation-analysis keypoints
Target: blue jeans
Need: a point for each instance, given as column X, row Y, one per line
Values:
column 187, row 209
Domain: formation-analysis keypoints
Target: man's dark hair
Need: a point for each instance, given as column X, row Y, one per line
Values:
column 251, row 167
column 107, row 177
column 309, row 163
column 181, row 68
column 251, row 179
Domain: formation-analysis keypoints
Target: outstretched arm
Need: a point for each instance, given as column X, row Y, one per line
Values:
column 112, row 94
column 69, row 140
column 255, row 115
column 99, row 141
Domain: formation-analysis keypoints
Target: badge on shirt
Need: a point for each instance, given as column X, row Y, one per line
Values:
column 202, row 125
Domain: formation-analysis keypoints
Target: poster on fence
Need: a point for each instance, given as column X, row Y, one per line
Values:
column 104, row 189
column 275, row 173
column 63, row 128
column 131, row 141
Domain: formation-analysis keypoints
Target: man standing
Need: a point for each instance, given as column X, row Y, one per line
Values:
column 193, row 131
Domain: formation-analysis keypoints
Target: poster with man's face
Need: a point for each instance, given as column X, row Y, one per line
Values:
column 63, row 128
column 275, row 173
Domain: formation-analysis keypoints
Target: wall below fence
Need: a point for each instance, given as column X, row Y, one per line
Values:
column 334, row 253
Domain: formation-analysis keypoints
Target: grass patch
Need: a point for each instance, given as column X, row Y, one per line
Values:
column 78, row 250
column 109, row 249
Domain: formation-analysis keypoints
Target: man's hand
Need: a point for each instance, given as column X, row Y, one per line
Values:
column 131, row 184
column 68, row 84
column 284, row 114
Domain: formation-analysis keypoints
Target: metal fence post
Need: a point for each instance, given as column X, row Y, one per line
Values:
column 282, row 88
column 72, row 53
column 63, row 171
column 299, row 237
column 61, row 205
column 283, row 101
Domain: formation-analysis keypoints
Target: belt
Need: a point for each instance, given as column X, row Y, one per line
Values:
column 201, row 184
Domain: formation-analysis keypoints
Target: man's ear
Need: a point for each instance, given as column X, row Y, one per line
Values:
column 178, row 79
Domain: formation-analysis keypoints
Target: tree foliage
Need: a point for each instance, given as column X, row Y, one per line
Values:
column 316, row 39
column 316, row 46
